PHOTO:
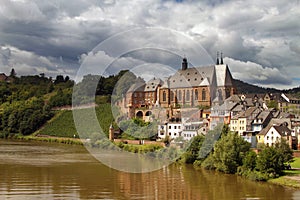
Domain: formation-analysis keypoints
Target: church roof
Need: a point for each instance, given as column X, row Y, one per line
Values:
column 205, row 82
column 192, row 77
column 153, row 84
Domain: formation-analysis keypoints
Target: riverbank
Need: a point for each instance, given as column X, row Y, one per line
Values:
column 50, row 139
column 287, row 180
column 291, row 177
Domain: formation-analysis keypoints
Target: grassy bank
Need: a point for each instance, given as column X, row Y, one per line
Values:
column 62, row 124
column 60, row 140
column 291, row 177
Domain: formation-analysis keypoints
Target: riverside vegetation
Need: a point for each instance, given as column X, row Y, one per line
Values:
column 27, row 110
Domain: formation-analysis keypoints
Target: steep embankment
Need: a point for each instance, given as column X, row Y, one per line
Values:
column 62, row 125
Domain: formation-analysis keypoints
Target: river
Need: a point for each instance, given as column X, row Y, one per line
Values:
column 35, row 170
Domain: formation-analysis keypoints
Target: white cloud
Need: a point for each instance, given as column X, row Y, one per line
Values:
column 257, row 74
column 25, row 62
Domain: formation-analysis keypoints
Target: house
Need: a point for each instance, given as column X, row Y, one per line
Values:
column 3, row 77
column 222, row 113
column 170, row 129
column 261, row 120
column 276, row 133
column 288, row 103
column 242, row 122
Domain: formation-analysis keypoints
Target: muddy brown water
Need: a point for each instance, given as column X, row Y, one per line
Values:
column 37, row 170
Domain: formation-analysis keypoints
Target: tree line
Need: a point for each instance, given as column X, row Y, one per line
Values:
column 232, row 154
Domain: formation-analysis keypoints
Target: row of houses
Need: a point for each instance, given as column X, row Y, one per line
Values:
column 248, row 115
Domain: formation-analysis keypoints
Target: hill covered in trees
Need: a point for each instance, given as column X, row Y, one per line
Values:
column 28, row 102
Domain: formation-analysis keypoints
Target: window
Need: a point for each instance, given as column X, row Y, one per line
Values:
column 179, row 95
column 161, row 133
column 203, row 95
column 169, row 127
column 179, row 127
column 170, row 133
column 164, row 96
column 175, row 127
column 196, row 94
column 267, row 137
column 175, row 134
column 172, row 96
column 187, row 95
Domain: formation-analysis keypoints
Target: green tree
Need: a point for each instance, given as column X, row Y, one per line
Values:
column 249, row 161
column 271, row 160
column 229, row 152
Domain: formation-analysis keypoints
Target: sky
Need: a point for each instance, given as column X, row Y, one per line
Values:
column 260, row 40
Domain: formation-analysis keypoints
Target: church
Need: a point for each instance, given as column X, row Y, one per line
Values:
column 188, row 87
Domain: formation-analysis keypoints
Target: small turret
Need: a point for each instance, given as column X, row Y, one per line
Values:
column 184, row 64
column 111, row 134
column 217, row 58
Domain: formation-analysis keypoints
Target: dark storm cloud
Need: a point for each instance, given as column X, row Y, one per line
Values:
column 57, row 33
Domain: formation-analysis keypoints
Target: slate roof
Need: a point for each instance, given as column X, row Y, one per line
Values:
column 192, row 77
column 263, row 115
column 283, row 130
column 152, row 85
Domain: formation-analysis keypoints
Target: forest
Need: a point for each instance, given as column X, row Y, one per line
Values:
column 28, row 102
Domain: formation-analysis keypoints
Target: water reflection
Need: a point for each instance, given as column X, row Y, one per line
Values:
column 38, row 170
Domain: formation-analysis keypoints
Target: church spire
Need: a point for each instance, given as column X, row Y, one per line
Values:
column 221, row 62
column 217, row 58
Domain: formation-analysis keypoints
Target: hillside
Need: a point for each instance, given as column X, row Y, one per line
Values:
column 246, row 88
column 62, row 124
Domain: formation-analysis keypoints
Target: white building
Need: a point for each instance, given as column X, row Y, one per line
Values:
column 172, row 129
column 275, row 133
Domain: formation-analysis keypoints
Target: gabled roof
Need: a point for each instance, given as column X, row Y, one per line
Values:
column 152, row 85
column 247, row 113
column 191, row 77
column 3, row 77
column 223, row 75
column 283, row 130
column 205, row 82
column 273, row 122
column 263, row 115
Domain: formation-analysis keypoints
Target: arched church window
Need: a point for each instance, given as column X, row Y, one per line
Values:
column 164, row 96
column 196, row 94
column 179, row 95
column 203, row 94
column 187, row 95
